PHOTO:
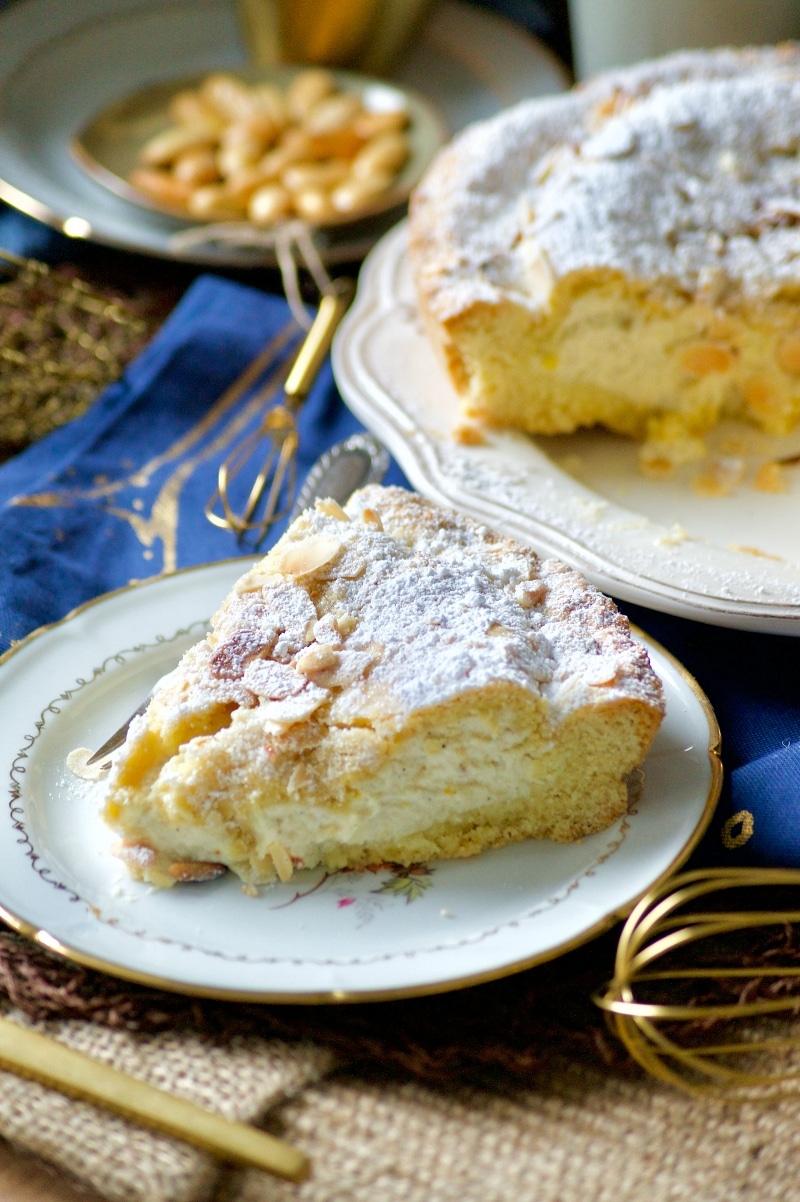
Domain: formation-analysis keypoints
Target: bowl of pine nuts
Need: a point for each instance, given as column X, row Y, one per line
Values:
column 264, row 146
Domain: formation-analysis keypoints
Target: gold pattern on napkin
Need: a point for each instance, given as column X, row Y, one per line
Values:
column 209, row 439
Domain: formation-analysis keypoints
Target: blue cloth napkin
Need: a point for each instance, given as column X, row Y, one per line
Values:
column 119, row 494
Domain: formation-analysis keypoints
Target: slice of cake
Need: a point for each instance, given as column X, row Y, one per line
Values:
column 626, row 254
column 392, row 682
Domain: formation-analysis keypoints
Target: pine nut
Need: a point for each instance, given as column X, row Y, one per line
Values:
column 307, row 89
column 190, row 108
column 314, row 204
column 213, row 202
column 165, row 147
column 385, row 154
column 356, row 194
column 228, row 95
column 240, row 152
column 269, row 203
column 233, row 159
column 299, row 176
column 196, row 167
column 332, row 114
column 161, row 186
column 256, row 130
column 369, row 124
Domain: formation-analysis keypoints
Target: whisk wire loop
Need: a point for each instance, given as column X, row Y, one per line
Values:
column 667, row 1034
column 271, row 493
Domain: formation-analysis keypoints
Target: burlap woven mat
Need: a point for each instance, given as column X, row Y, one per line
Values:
column 508, row 1027
column 512, row 1090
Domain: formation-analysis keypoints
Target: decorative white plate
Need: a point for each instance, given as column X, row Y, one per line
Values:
column 319, row 938
column 61, row 63
column 731, row 560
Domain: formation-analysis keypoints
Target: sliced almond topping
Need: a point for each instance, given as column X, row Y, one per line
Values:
column 306, row 557
column 293, row 709
column 316, row 659
column 326, row 630
column 529, row 593
column 187, row 871
column 498, row 630
column 332, row 509
column 299, row 779
column 282, row 861
column 372, row 518
column 602, row 672
column 352, row 666
column 255, row 580
column 136, row 855
column 76, row 762
column 271, row 680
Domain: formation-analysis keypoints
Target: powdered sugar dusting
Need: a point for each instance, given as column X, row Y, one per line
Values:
column 683, row 172
column 432, row 605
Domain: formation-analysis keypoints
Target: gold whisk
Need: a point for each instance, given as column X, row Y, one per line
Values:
column 273, row 488
column 657, row 960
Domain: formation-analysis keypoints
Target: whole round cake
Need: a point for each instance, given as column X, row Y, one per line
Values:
column 624, row 254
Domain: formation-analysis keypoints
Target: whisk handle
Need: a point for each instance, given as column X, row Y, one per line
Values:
column 316, row 345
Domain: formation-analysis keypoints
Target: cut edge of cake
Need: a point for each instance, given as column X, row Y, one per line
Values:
column 535, row 341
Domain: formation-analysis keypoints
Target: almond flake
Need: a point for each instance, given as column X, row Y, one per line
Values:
column 292, row 709
column 603, row 672
column 316, row 659
column 272, row 681
column 308, row 556
column 190, row 871
column 332, row 509
column 76, row 762
column 254, row 581
column 282, row 861
column 135, row 854
column 326, row 630
column 529, row 593
column 372, row 518
column 352, row 666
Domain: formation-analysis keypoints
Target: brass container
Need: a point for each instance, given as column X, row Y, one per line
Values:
column 365, row 35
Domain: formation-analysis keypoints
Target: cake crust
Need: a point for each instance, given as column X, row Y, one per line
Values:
column 393, row 682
